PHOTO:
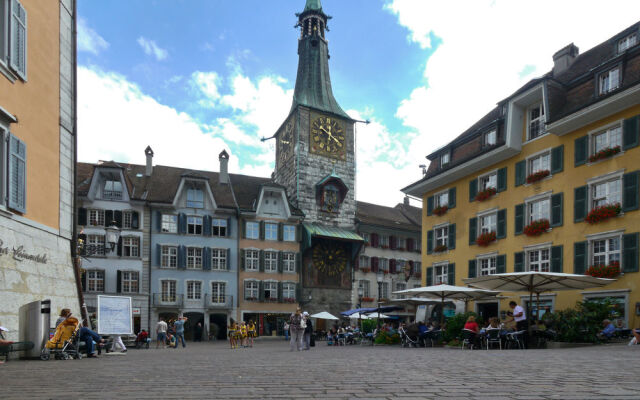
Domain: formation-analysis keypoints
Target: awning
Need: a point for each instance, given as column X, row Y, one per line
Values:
column 312, row 230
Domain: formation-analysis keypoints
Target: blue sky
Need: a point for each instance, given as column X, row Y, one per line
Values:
column 193, row 77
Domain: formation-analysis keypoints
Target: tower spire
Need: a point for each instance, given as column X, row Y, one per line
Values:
column 313, row 5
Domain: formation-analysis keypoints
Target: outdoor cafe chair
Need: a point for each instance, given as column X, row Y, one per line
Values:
column 492, row 336
column 433, row 337
column 468, row 338
column 516, row 338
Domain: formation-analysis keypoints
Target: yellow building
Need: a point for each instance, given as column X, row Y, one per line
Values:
column 526, row 187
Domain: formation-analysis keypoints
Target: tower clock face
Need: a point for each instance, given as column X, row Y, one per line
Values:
column 285, row 142
column 327, row 136
column 330, row 260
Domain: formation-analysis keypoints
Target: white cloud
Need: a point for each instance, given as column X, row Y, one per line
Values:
column 89, row 40
column 489, row 49
column 208, row 84
column 152, row 49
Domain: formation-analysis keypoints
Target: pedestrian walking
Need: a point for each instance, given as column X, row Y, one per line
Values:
column 296, row 325
column 286, row 331
column 252, row 332
column 308, row 330
column 161, row 333
column 179, row 327
column 117, row 342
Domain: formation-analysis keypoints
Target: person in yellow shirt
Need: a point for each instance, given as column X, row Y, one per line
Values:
column 243, row 334
column 252, row 332
column 233, row 333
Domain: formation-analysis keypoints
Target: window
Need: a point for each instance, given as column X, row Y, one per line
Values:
column 168, row 291
column 219, row 259
column 384, row 290
column 252, row 260
column 539, row 260
column 96, row 217
column 487, row 223
column 289, row 233
column 402, row 243
column 130, row 246
column 384, row 241
column 400, row 265
column 441, row 236
column 536, row 121
column 95, row 245
column 129, row 281
column 366, row 237
column 289, row 262
column 442, row 199
column 610, row 80
column 619, row 306
column 364, row 284
column 627, row 42
column 219, row 227
column 95, row 281
column 195, row 198
column 271, row 231
column 127, row 219
column 605, row 251
column 440, row 273
column 546, row 306
column 13, row 37
column 488, row 181
column 539, row 163
column 169, row 223
column 169, row 257
column 383, row 264
column 401, row 286
column 444, row 160
column 364, row 262
column 608, row 192
column 194, row 225
column 607, row 139
column 218, row 290
column 112, row 190
column 16, row 183
column 289, row 291
column 194, row 290
column 489, row 138
column 417, row 267
column 194, row 258
column 539, row 209
column 271, row 261
column 251, row 290
column 252, row 230
column 270, row 290
column 487, row 266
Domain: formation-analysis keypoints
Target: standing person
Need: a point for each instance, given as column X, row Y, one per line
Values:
column 197, row 335
column 117, row 340
column 252, row 332
column 161, row 333
column 308, row 330
column 519, row 316
column 232, row 333
column 286, row 331
column 179, row 327
column 296, row 325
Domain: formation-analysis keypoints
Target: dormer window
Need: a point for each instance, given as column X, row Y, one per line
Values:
column 610, row 80
column 112, row 190
column 489, row 138
column 627, row 42
column 195, row 198
column 444, row 160
column 536, row 121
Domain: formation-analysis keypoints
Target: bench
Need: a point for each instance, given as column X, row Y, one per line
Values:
column 13, row 347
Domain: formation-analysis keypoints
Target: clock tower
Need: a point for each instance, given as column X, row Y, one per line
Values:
column 315, row 161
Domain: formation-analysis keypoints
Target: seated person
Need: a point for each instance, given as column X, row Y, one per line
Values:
column 142, row 337
column 89, row 337
column 608, row 331
column 493, row 323
column 472, row 325
column 636, row 337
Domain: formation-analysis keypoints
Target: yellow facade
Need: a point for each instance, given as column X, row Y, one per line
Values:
column 565, row 235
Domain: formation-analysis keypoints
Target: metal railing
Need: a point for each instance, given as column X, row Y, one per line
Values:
column 166, row 300
column 112, row 195
column 218, row 301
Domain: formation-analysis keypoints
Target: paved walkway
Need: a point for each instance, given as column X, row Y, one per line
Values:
column 269, row 370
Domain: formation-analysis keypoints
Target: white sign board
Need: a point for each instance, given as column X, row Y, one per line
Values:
column 114, row 315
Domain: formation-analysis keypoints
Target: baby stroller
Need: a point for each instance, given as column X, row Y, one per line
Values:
column 65, row 343
column 406, row 338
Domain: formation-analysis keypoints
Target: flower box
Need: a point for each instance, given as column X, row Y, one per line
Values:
column 251, row 299
column 538, row 176
column 604, row 271
column 537, row 228
column 485, row 239
column 365, row 269
column 603, row 213
column 440, row 248
column 384, row 246
column 605, row 153
column 486, row 194
column 367, row 299
column 384, row 271
column 440, row 210
column 289, row 300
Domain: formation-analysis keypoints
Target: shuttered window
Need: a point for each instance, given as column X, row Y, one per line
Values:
column 16, row 52
column 17, row 178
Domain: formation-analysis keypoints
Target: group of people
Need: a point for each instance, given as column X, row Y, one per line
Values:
column 300, row 329
column 170, row 335
column 242, row 334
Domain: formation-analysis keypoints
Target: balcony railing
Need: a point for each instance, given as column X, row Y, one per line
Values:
column 89, row 250
column 112, row 195
column 166, row 300
column 218, row 301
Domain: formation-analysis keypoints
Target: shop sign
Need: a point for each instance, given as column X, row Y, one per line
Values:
column 19, row 254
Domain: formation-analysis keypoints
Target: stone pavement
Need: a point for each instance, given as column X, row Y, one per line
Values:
column 269, row 370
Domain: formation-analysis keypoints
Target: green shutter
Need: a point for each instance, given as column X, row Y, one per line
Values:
column 261, row 261
column 580, row 203
column 502, row 179
column 430, row 242
column 630, row 191
column 556, row 258
column 451, row 274
column 519, row 221
column 502, row 224
column 473, row 230
column 501, row 264
column 261, row 230
column 581, row 150
column 630, row 252
column 452, row 197
column 451, row 242
column 557, row 159
column 280, row 231
column 243, row 224
column 518, row 262
column 429, row 276
column 630, row 132
column 580, row 257
column 472, row 268
column 280, row 261
column 521, row 172
column 430, row 205
column 473, row 189
column 556, row 209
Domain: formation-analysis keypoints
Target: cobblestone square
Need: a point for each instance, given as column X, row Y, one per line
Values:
column 269, row 370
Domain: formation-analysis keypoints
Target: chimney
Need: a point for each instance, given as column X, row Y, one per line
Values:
column 149, row 153
column 224, row 167
column 563, row 58
column 406, row 200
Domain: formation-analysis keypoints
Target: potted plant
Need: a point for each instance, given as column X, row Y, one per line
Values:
column 604, row 271
column 538, row 176
column 367, row 299
column 537, row 228
column 365, row 269
column 440, row 210
column 486, row 194
column 603, row 213
column 605, row 153
column 485, row 239
column 440, row 248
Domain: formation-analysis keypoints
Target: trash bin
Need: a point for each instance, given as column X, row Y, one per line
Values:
column 35, row 320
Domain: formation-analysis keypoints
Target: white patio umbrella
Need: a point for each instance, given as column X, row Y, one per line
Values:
column 374, row 315
column 324, row 315
column 358, row 316
column 414, row 301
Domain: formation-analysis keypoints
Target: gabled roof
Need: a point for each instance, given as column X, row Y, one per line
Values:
column 388, row 217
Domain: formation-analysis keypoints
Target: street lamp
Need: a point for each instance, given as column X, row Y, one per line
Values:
column 379, row 278
column 112, row 234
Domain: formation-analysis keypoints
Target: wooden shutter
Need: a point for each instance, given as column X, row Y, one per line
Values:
column 82, row 216
column 261, row 230
column 580, row 257
column 299, row 233
column 580, row 203
column 430, row 205
column 83, row 280
column 261, row 291
column 556, row 258
column 473, row 189
column 135, row 220
column 356, row 263
column 261, row 261
column 451, row 240
column 206, row 259
column 393, row 242
column 117, row 216
column 557, row 201
column 521, row 172
column 243, row 223
column 298, row 262
column 182, row 223
column 243, row 255
column 630, row 191
column 473, row 230
column 392, row 266
column 280, row 231
column 502, row 179
column 518, row 262
column 374, row 264
column 630, row 129
column 182, row 257
column 451, row 274
column 472, row 268
column 108, row 217
column 430, row 242
column 280, row 261
column 228, row 263
column 581, row 150
column 158, row 255
column 228, row 233
column 630, row 252
column 429, row 276
column 118, row 281
column 280, row 294
column 410, row 244
column 206, row 225
column 502, row 224
column 119, row 247
column 17, row 181
column 158, row 218
column 557, row 159
column 18, row 37
column 501, row 264
column 452, row 197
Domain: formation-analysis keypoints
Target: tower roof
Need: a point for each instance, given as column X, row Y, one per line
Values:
column 313, row 5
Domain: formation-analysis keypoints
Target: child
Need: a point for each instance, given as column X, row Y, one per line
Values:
column 232, row 333
column 252, row 332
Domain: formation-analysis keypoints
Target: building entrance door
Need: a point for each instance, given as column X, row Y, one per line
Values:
column 487, row 310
